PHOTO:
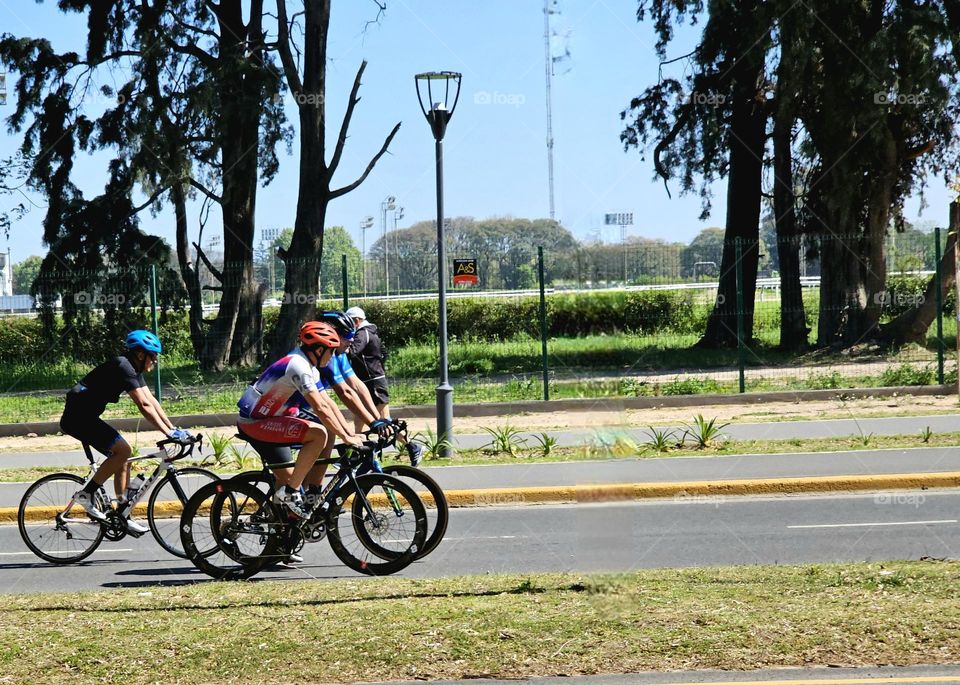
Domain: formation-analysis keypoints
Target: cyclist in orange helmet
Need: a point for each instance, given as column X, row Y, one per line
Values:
column 270, row 406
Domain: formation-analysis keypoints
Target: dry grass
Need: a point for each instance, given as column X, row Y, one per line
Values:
column 504, row 626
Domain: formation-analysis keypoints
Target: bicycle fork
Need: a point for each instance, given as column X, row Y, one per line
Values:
column 391, row 494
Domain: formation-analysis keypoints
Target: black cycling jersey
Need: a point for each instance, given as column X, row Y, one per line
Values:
column 104, row 385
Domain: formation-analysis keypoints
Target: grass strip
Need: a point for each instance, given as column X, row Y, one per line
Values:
column 513, row 626
column 605, row 444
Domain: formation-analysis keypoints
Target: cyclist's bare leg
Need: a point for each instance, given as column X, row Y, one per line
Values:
column 282, row 475
column 315, row 477
column 115, row 465
column 313, row 444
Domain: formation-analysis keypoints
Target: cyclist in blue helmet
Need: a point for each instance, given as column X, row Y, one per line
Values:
column 88, row 399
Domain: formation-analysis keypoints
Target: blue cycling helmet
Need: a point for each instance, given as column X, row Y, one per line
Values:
column 340, row 321
column 144, row 340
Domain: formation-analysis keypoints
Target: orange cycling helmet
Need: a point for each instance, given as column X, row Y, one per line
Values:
column 315, row 334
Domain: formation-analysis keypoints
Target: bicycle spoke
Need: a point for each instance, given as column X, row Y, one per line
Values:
column 50, row 534
column 166, row 506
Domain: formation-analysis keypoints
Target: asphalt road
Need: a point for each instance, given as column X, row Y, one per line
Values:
column 584, row 538
column 867, row 675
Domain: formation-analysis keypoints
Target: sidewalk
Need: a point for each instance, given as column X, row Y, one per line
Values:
column 784, row 430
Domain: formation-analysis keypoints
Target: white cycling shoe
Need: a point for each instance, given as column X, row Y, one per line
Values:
column 136, row 527
column 85, row 500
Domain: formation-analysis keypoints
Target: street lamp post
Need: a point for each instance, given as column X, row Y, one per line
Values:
column 389, row 203
column 438, row 110
column 364, row 225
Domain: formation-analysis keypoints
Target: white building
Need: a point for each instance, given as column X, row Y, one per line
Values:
column 6, row 274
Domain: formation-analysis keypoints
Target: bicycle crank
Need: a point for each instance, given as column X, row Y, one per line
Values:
column 114, row 528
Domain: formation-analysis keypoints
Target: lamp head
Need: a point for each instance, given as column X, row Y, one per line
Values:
column 447, row 84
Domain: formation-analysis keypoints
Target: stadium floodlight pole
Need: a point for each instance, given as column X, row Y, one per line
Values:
column 389, row 204
column 364, row 225
column 397, row 215
column 438, row 110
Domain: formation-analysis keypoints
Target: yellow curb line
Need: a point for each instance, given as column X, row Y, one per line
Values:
column 634, row 491
column 623, row 492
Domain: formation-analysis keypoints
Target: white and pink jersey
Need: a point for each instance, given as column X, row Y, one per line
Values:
column 283, row 385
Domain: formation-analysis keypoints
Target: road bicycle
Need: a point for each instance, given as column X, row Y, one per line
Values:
column 427, row 489
column 375, row 523
column 59, row 531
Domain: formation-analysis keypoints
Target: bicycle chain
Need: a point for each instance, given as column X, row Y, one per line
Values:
column 114, row 528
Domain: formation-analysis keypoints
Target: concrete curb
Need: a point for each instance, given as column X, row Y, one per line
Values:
column 620, row 492
column 536, row 407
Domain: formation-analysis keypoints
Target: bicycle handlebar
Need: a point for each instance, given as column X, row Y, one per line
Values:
column 184, row 447
column 398, row 428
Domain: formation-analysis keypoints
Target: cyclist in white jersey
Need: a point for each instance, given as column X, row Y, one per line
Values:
column 270, row 406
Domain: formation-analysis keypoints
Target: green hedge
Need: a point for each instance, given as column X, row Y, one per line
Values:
column 22, row 340
column 568, row 315
column 903, row 291
column 408, row 321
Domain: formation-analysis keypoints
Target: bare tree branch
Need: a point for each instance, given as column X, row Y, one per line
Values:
column 213, row 270
column 381, row 9
column 150, row 201
column 664, row 143
column 201, row 55
column 286, row 56
column 345, row 125
column 199, row 186
column 373, row 163
column 206, row 32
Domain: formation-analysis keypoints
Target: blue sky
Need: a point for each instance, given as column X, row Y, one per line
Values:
column 494, row 151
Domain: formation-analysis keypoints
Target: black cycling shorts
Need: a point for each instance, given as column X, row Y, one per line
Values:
column 378, row 390
column 272, row 455
column 91, row 430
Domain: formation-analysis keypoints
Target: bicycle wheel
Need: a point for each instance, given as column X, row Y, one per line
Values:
column 166, row 505
column 390, row 539
column 229, row 530
column 434, row 501
column 51, row 527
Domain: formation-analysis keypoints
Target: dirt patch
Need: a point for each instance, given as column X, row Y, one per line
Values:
column 904, row 405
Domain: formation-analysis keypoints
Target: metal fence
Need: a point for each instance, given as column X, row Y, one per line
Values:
column 595, row 321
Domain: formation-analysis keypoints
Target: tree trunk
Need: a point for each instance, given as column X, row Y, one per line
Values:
column 234, row 336
column 879, row 205
column 188, row 272
column 794, row 331
column 747, row 134
column 913, row 324
column 302, row 260
column 842, row 295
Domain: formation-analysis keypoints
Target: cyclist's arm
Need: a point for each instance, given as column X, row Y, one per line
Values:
column 365, row 397
column 151, row 409
column 329, row 415
column 354, row 401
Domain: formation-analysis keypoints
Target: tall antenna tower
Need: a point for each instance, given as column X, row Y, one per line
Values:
column 548, row 59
